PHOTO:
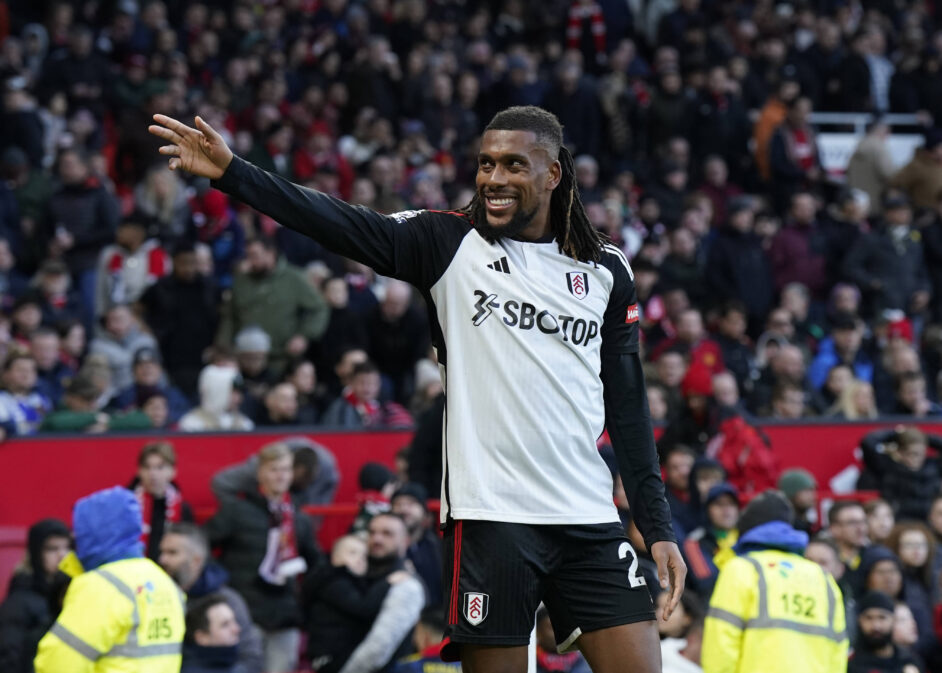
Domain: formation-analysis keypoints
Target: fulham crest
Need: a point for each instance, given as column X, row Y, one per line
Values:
column 578, row 282
column 475, row 608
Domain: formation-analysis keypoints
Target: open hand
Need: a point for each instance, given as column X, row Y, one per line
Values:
column 200, row 151
column 671, row 571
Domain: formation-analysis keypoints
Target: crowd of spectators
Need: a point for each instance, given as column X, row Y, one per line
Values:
column 882, row 544
column 133, row 297
column 136, row 297
column 358, row 603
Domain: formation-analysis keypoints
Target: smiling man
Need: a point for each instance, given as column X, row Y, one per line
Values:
column 535, row 322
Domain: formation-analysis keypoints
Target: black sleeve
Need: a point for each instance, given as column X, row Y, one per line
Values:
column 621, row 323
column 629, row 426
column 414, row 246
column 627, row 416
column 344, row 595
column 16, row 637
column 877, row 461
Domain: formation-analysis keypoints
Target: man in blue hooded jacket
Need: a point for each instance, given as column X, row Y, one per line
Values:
column 121, row 611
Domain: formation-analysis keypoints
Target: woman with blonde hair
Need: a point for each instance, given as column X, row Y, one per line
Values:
column 857, row 401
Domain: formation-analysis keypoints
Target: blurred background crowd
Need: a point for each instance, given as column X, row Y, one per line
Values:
column 768, row 282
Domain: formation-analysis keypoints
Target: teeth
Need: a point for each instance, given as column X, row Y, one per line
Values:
column 501, row 202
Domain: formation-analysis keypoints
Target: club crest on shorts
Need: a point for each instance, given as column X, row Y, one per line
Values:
column 475, row 607
column 578, row 282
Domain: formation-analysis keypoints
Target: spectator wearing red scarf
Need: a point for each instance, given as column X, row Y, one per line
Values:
column 160, row 499
column 266, row 546
column 359, row 406
column 130, row 265
column 793, row 154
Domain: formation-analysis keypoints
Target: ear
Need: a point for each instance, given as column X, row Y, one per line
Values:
column 202, row 638
column 554, row 176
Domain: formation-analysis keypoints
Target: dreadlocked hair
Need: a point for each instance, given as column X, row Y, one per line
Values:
column 571, row 228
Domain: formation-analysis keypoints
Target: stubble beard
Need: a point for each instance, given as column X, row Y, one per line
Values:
column 519, row 221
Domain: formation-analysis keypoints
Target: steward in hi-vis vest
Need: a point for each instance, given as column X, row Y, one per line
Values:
column 773, row 610
column 122, row 612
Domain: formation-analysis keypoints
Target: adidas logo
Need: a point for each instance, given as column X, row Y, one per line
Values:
column 500, row 265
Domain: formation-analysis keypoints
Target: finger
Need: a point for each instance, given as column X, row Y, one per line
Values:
column 207, row 129
column 662, row 572
column 174, row 164
column 174, row 125
column 678, row 574
column 173, row 150
column 166, row 134
column 677, row 590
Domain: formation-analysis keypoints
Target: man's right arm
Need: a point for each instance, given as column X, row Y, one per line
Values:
column 235, row 479
column 412, row 246
column 874, row 459
column 394, row 246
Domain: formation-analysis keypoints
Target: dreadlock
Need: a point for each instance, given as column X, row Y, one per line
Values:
column 574, row 233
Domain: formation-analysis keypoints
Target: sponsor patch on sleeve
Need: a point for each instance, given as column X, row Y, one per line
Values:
column 631, row 315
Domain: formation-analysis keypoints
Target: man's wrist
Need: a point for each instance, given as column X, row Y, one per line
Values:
column 230, row 175
column 660, row 536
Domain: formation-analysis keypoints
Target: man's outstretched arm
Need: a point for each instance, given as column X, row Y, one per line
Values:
column 398, row 247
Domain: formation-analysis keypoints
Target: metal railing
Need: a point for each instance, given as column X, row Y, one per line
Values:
column 859, row 120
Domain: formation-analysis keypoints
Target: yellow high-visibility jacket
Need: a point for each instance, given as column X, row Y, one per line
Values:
column 122, row 617
column 773, row 611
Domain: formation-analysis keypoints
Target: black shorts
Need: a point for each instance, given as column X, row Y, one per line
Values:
column 496, row 574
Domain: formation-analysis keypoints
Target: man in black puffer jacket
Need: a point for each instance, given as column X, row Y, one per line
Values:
column 266, row 544
column 34, row 599
column 906, row 477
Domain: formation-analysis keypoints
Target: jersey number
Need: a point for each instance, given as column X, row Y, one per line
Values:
column 798, row 605
column 634, row 579
column 159, row 629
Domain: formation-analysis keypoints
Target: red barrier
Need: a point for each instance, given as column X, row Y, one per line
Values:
column 44, row 476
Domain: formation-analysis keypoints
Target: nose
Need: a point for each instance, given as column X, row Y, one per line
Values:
column 497, row 177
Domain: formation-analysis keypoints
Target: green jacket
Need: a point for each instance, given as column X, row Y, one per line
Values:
column 64, row 420
column 282, row 303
